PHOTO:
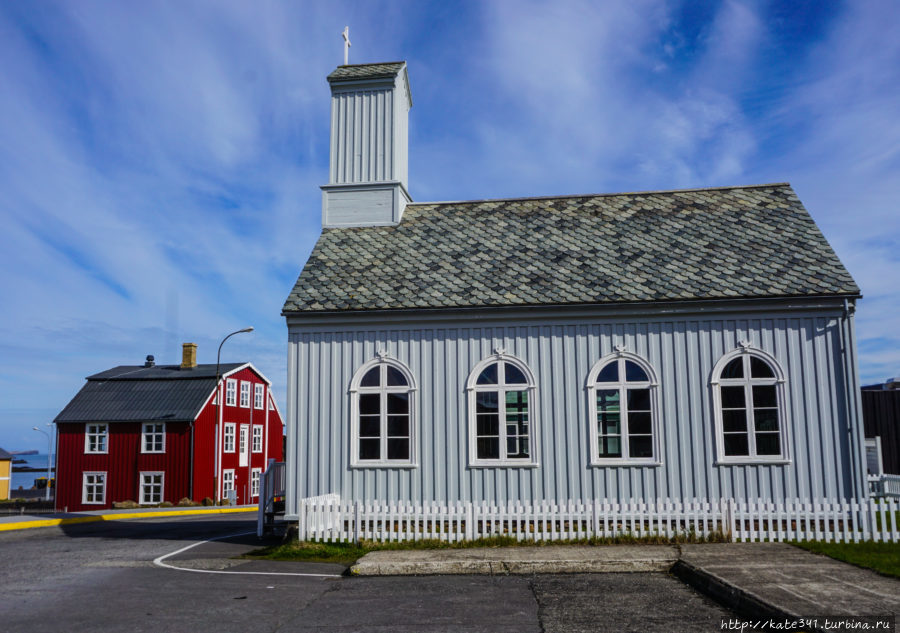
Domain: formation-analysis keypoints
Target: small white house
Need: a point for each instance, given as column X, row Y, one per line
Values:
column 692, row 343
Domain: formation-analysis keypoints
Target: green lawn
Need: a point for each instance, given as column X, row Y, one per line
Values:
column 882, row 557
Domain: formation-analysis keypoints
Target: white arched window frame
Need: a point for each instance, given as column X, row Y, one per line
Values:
column 509, row 415
column 754, row 401
column 383, row 391
column 627, row 431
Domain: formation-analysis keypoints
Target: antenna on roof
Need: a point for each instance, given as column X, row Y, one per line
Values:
column 346, row 36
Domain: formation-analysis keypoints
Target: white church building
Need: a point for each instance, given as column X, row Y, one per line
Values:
column 682, row 344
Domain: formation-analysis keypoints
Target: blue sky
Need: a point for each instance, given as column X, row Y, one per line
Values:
column 160, row 162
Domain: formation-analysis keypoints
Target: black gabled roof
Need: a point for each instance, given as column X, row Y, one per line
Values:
column 721, row 243
column 5, row 455
column 128, row 393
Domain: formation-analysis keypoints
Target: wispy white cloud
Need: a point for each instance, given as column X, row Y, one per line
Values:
column 157, row 155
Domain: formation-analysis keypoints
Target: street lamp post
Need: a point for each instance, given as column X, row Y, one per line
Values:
column 49, row 449
column 218, row 398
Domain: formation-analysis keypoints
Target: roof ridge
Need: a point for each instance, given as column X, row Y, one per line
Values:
column 601, row 195
column 371, row 64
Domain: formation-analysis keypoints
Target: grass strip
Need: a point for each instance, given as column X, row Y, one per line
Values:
column 881, row 557
column 347, row 553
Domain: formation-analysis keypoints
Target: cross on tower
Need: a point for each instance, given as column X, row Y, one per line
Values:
column 346, row 36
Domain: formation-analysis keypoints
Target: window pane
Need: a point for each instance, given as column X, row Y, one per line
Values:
column 488, row 448
column 517, row 401
column 369, row 403
column 639, row 422
column 733, row 398
column 608, row 399
column 610, row 446
column 634, row 373
column 638, row 399
column 734, row 369
column 736, row 444
column 398, row 448
column 398, row 403
column 372, row 378
column 517, row 447
column 760, row 368
column 640, row 446
column 608, row 423
column 488, row 376
column 370, row 449
column 487, row 402
column 764, row 396
column 488, row 425
column 369, row 426
column 768, row 444
column 398, row 425
column 514, row 375
column 609, row 373
column 734, row 420
column 766, row 419
column 395, row 377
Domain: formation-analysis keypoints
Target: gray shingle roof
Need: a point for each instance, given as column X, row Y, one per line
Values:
column 734, row 242
column 164, row 393
column 366, row 71
column 5, row 455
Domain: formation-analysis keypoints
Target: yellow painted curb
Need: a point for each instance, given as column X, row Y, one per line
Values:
column 24, row 525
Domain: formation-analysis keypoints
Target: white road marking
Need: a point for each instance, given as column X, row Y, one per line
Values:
column 159, row 562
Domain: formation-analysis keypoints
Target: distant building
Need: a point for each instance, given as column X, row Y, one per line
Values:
column 150, row 434
column 669, row 344
column 5, row 474
column 881, row 417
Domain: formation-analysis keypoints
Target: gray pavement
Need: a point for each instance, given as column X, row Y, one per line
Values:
column 549, row 559
column 788, row 581
column 101, row 577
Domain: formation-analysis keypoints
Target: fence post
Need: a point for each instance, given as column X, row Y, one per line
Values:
column 261, row 512
column 732, row 524
column 356, row 516
column 470, row 521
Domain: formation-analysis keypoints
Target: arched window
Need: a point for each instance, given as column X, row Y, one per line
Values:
column 383, row 414
column 501, row 413
column 622, row 401
column 749, row 404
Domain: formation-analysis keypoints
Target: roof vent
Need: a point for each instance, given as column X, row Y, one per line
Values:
column 150, row 362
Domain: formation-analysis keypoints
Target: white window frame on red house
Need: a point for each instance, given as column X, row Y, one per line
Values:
column 96, row 440
column 227, row 481
column 257, row 445
column 254, row 481
column 156, row 488
column 98, row 483
column 230, row 392
column 153, row 437
column 245, row 394
column 259, row 393
column 228, row 439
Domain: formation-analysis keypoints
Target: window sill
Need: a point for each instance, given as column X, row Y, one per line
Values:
column 96, row 452
column 162, row 452
column 404, row 465
column 778, row 461
column 504, row 465
column 93, row 503
column 624, row 462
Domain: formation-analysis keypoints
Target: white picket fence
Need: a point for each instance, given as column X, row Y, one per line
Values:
column 884, row 485
column 328, row 518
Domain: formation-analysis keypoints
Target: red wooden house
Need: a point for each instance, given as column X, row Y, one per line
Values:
column 153, row 433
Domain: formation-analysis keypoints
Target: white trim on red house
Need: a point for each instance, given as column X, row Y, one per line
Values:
column 84, row 475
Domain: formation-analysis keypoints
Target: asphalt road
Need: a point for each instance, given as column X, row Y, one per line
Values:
column 101, row 577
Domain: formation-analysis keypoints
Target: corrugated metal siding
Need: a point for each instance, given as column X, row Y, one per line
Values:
column 683, row 352
column 362, row 137
column 123, row 464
